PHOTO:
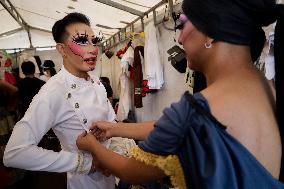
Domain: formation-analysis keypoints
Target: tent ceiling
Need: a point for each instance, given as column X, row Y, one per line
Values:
column 104, row 18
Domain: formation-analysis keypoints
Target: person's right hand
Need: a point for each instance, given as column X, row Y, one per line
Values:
column 102, row 130
column 86, row 141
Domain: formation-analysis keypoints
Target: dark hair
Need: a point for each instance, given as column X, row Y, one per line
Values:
column 58, row 29
column 52, row 71
column 28, row 67
column 105, row 80
column 49, row 65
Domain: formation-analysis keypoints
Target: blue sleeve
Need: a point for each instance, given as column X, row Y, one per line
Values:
column 169, row 130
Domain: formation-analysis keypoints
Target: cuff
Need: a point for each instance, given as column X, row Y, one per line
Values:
column 169, row 164
column 84, row 163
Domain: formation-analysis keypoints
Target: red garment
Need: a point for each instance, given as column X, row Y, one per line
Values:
column 138, row 76
column 145, row 88
column 10, row 78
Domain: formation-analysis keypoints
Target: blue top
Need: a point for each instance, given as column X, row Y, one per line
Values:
column 210, row 157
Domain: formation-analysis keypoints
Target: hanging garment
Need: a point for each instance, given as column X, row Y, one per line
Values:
column 137, row 76
column 153, row 63
column 125, row 92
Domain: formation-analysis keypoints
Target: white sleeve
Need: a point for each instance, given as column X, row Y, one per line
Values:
column 22, row 150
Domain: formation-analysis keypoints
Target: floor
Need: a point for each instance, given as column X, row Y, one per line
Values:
column 40, row 180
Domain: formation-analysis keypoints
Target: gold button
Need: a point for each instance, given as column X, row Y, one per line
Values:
column 76, row 105
column 85, row 120
column 73, row 86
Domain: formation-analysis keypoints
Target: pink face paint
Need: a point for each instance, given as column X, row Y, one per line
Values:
column 76, row 49
column 95, row 52
column 183, row 18
column 186, row 28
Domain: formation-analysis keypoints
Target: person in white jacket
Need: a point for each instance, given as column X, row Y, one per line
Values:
column 68, row 103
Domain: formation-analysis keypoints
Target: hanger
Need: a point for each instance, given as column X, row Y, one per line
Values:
column 137, row 38
column 131, row 35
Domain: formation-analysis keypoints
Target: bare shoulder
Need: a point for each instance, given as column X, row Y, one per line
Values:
column 249, row 116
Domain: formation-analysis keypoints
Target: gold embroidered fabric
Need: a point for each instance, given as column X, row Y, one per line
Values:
column 169, row 164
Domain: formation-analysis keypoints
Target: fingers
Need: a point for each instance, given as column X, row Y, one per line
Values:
column 99, row 134
column 83, row 134
column 84, row 140
column 99, row 124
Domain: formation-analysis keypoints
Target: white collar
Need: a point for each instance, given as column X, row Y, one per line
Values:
column 72, row 79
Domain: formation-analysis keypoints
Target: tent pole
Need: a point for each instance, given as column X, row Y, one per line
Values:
column 121, row 7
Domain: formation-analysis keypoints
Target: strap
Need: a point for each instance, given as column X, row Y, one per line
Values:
column 200, row 109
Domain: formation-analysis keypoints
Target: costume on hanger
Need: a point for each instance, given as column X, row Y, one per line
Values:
column 68, row 105
column 125, row 92
column 153, row 62
column 136, row 75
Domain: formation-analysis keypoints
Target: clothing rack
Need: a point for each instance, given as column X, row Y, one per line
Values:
column 119, row 37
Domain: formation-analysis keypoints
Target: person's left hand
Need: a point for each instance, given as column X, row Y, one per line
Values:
column 86, row 141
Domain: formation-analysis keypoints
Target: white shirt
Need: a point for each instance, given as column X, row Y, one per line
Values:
column 68, row 116
column 153, row 62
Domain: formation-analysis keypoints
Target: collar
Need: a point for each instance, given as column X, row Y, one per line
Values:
column 73, row 81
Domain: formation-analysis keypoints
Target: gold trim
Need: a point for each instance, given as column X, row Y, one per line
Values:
column 169, row 164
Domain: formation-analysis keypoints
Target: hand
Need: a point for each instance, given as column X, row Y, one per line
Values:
column 102, row 130
column 86, row 141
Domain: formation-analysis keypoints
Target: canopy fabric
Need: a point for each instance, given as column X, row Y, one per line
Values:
column 41, row 15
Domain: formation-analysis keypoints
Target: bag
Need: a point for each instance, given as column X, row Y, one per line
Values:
column 177, row 58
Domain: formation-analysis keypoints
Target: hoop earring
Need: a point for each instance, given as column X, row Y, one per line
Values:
column 208, row 46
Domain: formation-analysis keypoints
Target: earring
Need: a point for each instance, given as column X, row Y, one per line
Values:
column 208, row 46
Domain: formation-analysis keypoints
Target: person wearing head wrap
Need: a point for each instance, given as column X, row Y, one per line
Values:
column 48, row 70
column 226, row 136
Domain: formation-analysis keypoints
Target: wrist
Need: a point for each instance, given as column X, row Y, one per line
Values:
column 94, row 146
column 113, row 131
column 83, row 164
